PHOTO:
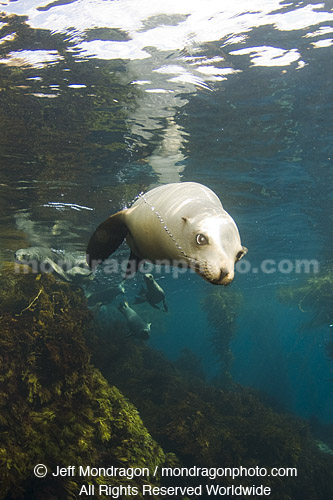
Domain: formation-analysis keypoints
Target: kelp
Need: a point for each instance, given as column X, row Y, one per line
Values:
column 206, row 426
column 55, row 407
column 315, row 296
column 221, row 308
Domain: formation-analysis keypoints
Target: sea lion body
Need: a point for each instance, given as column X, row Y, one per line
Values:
column 34, row 254
column 153, row 293
column 179, row 224
column 158, row 216
column 69, row 266
column 138, row 327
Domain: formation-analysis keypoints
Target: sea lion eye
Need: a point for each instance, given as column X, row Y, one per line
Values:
column 201, row 239
column 240, row 254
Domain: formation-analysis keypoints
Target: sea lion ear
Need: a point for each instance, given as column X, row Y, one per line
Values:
column 106, row 239
column 185, row 219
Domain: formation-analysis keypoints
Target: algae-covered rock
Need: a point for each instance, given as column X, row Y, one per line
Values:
column 55, row 407
column 206, row 426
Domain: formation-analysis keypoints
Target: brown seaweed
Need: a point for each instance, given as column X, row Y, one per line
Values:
column 55, row 407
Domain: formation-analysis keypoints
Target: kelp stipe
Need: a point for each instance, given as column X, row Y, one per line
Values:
column 221, row 307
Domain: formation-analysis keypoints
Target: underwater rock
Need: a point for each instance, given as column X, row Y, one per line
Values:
column 209, row 427
column 55, row 407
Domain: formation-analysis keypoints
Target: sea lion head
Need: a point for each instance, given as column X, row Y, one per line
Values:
column 214, row 246
column 31, row 253
column 144, row 334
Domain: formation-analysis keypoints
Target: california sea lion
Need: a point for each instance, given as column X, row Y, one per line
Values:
column 179, row 224
column 70, row 266
column 138, row 327
column 153, row 293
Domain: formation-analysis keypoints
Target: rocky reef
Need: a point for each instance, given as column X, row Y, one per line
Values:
column 55, row 407
column 71, row 394
column 210, row 426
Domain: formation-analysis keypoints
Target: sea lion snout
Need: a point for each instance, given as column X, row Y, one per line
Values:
column 20, row 255
column 225, row 277
column 215, row 273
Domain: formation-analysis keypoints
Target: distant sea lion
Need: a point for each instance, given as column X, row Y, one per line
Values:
column 70, row 266
column 153, row 293
column 102, row 296
column 178, row 224
column 34, row 254
column 138, row 327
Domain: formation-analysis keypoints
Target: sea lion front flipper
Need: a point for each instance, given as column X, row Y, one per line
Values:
column 165, row 305
column 106, row 239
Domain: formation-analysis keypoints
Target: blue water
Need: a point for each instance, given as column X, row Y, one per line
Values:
column 101, row 100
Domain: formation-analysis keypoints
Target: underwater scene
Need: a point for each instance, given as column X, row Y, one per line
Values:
column 166, row 325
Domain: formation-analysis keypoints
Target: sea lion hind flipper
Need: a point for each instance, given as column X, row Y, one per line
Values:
column 106, row 239
column 56, row 268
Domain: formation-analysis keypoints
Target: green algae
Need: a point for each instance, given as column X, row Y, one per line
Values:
column 315, row 295
column 55, row 407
